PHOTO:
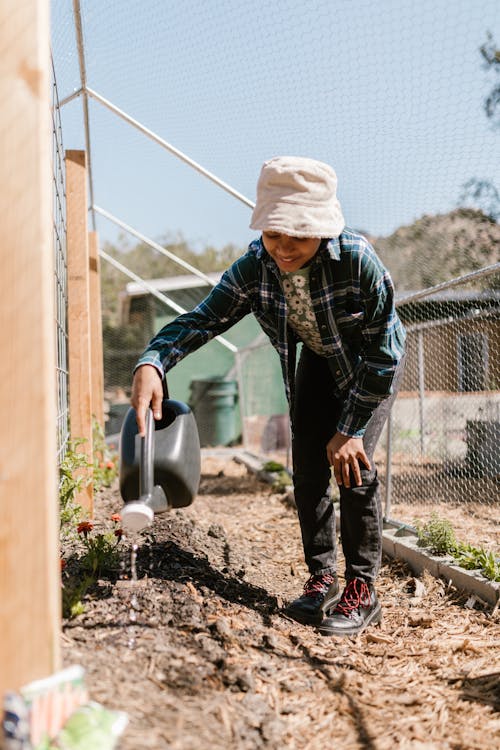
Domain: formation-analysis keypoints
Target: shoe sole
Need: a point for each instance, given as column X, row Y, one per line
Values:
column 313, row 619
column 374, row 619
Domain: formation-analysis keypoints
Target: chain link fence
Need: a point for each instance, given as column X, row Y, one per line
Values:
column 441, row 446
column 60, row 271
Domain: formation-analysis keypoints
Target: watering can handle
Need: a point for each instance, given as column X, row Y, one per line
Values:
column 146, row 466
column 146, row 469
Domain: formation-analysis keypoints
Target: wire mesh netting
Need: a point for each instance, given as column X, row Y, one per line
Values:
column 401, row 98
column 392, row 94
column 60, row 270
column 446, row 420
column 440, row 452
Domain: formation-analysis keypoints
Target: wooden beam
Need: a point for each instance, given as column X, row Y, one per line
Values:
column 96, row 352
column 79, row 361
column 30, row 589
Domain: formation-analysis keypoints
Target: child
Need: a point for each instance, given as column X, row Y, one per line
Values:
column 310, row 279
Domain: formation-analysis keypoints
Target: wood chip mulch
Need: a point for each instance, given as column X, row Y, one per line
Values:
column 207, row 660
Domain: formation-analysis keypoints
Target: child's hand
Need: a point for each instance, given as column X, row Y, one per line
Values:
column 146, row 389
column 344, row 453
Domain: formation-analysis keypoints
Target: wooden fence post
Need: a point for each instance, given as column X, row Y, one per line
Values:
column 30, row 589
column 96, row 352
column 80, row 380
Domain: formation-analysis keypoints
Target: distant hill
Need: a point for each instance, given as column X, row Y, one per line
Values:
column 438, row 248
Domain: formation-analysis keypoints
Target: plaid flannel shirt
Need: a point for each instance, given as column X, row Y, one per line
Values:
column 353, row 300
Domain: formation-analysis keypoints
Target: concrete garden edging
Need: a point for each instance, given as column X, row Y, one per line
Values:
column 400, row 541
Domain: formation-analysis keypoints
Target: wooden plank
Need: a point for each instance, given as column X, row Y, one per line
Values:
column 79, row 361
column 29, row 528
column 96, row 351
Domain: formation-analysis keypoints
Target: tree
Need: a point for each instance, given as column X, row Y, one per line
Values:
column 491, row 56
column 476, row 192
column 481, row 194
column 438, row 248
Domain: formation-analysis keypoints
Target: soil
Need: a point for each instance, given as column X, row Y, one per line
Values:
column 208, row 659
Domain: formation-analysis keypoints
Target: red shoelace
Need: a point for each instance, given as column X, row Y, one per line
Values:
column 356, row 594
column 316, row 584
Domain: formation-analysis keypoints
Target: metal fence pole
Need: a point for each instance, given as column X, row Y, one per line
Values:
column 388, row 467
column 421, row 389
column 241, row 398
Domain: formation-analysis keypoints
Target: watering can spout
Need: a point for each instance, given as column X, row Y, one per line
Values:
column 136, row 517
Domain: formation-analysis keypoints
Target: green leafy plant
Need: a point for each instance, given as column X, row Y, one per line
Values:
column 100, row 558
column 478, row 558
column 73, row 477
column 98, row 553
column 438, row 536
column 74, row 589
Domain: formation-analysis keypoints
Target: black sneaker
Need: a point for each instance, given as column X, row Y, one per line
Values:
column 358, row 607
column 320, row 593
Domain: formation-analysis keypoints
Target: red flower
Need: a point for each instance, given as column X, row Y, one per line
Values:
column 116, row 517
column 102, row 465
column 63, row 563
column 119, row 533
column 84, row 527
column 110, row 465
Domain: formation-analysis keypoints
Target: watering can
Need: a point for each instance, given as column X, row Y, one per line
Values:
column 162, row 469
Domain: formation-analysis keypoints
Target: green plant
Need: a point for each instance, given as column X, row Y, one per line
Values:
column 437, row 534
column 478, row 558
column 73, row 477
column 100, row 554
column 73, row 590
column 100, row 558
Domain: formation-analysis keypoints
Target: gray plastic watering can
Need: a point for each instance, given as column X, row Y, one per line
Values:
column 162, row 469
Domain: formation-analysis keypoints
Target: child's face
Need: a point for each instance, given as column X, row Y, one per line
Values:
column 290, row 253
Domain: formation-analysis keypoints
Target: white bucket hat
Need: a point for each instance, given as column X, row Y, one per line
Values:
column 297, row 196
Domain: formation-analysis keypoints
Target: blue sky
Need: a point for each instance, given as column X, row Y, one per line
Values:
column 389, row 92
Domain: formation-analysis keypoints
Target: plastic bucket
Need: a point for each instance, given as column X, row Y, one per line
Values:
column 213, row 402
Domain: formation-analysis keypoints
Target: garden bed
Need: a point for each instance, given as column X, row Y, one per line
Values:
column 208, row 659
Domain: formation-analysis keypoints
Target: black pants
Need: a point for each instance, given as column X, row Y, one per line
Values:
column 316, row 413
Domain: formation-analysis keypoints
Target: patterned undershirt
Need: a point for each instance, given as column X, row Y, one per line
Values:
column 300, row 309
